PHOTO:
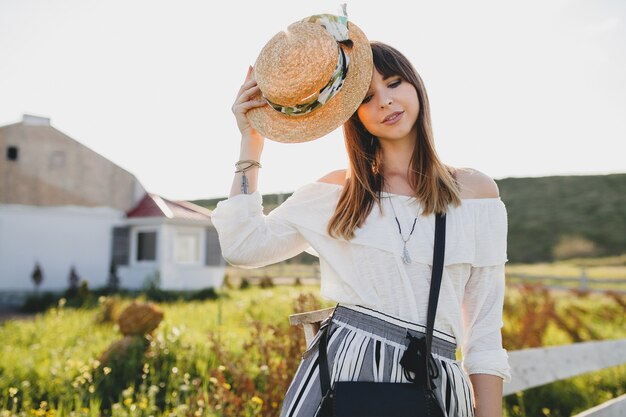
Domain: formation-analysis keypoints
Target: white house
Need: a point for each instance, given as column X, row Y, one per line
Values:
column 63, row 205
column 175, row 238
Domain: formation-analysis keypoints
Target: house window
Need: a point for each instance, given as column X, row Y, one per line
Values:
column 187, row 248
column 12, row 153
column 146, row 246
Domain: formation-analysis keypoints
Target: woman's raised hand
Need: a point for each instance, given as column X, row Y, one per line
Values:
column 245, row 102
column 251, row 140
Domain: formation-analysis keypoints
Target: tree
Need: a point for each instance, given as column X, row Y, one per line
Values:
column 114, row 280
column 74, row 280
column 37, row 276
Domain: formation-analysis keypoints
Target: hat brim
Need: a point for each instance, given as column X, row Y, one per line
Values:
column 280, row 127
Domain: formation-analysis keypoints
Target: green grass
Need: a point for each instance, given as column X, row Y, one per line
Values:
column 53, row 357
column 232, row 356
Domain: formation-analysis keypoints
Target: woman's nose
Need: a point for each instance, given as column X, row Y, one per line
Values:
column 385, row 101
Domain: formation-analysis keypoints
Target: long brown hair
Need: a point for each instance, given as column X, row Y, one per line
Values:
column 433, row 182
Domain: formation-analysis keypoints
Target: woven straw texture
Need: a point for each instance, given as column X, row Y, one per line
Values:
column 291, row 69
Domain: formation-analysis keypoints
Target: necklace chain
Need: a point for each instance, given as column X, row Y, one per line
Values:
column 405, row 253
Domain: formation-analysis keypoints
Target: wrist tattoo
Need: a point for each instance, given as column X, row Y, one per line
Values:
column 244, row 183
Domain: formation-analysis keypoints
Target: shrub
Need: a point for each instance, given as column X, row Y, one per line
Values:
column 245, row 283
column 572, row 246
column 204, row 294
column 36, row 303
column 266, row 282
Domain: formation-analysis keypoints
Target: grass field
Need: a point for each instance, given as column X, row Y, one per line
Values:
column 235, row 355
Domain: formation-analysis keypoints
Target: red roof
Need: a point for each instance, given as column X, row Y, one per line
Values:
column 153, row 205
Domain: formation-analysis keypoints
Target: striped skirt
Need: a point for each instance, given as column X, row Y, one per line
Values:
column 366, row 345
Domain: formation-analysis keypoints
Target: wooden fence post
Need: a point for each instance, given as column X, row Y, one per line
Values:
column 584, row 281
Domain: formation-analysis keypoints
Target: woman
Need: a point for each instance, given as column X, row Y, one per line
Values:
column 372, row 227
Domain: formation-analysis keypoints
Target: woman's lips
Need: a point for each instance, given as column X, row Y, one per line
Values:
column 396, row 116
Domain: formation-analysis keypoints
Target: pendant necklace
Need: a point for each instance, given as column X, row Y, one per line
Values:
column 405, row 253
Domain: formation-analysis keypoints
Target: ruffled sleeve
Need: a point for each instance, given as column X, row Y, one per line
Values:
column 483, row 297
column 476, row 233
column 482, row 322
column 251, row 239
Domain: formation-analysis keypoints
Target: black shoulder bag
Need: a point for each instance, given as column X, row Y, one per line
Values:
column 386, row 399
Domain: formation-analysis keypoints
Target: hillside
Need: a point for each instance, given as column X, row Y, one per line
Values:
column 552, row 217
column 543, row 211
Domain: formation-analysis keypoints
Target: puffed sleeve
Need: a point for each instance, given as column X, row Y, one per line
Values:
column 482, row 322
column 251, row 239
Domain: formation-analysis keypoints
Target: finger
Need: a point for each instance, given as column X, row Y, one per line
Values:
column 243, row 107
column 254, row 103
column 245, row 96
column 249, row 73
column 246, row 86
column 247, row 79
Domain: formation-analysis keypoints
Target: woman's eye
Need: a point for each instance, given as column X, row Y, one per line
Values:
column 366, row 99
column 395, row 84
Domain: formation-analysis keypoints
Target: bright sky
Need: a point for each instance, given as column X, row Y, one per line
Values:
column 528, row 88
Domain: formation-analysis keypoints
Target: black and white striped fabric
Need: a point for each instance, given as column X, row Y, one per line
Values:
column 366, row 345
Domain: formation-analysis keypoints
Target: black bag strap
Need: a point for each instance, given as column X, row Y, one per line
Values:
column 435, row 286
column 433, row 299
column 323, row 355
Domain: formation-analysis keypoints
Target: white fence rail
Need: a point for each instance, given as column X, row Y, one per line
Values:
column 580, row 283
column 538, row 366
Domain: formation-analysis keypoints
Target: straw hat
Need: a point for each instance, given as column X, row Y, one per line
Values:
column 314, row 75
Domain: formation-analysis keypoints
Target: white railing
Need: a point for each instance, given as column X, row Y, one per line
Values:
column 581, row 283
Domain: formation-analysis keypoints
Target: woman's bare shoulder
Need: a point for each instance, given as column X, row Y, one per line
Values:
column 473, row 183
column 335, row 177
column 476, row 184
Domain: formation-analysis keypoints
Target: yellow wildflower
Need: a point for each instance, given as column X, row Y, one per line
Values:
column 226, row 385
column 257, row 400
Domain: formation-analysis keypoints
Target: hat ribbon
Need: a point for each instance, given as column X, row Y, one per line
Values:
column 337, row 26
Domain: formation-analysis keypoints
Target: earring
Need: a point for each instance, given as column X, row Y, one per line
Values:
column 374, row 168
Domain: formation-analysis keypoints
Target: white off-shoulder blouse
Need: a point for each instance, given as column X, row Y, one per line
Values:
column 368, row 270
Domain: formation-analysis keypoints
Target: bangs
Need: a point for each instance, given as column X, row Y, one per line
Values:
column 386, row 62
